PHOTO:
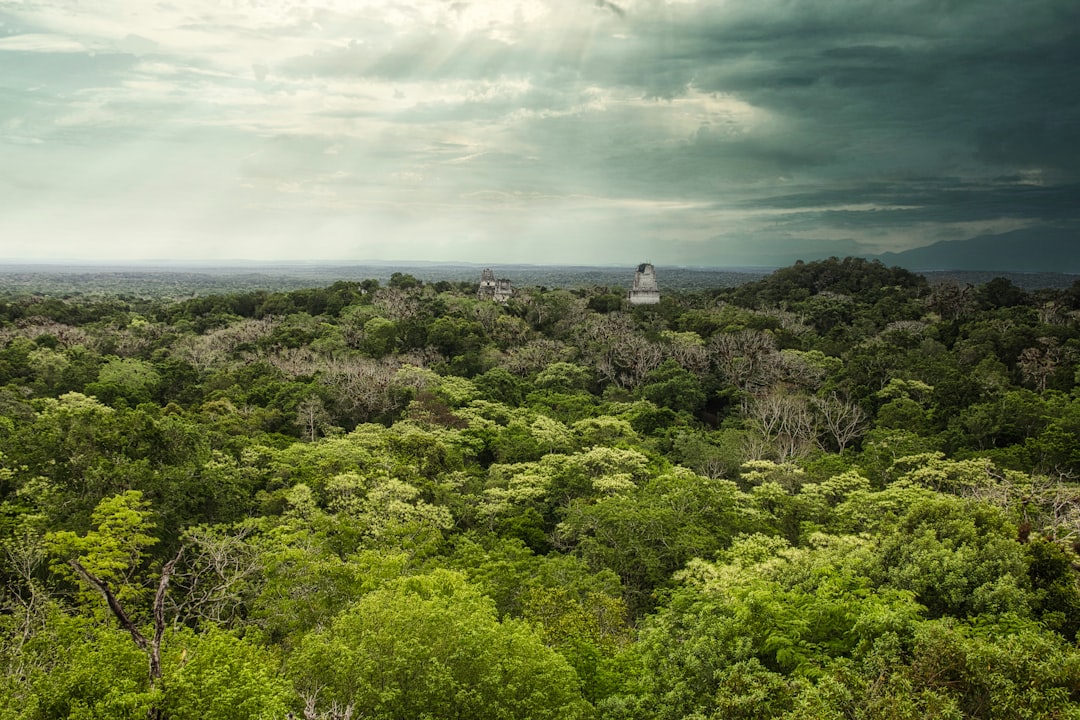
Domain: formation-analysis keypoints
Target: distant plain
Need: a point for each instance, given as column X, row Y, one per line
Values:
column 178, row 281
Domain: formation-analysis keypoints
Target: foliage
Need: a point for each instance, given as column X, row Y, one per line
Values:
column 431, row 646
column 839, row 491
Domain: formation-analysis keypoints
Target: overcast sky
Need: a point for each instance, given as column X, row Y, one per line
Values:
column 681, row 132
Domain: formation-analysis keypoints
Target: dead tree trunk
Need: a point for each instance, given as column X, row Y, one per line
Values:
column 151, row 647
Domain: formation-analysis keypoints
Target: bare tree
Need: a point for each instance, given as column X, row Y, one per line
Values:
column 636, row 357
column 606, row 328
column 206, row 351
column 748, row 359
column 220, row 575
column 362, row 388
column 510, row 331
column 36, row 326
column 311, row 415
column 336, row 711
column 25, row 599
column 1049, row 503
column 784, row 421
column 1039, row 363
column 618, row 352
column 536, row 355
column 297, row 361
column 840, row 421
column 687, row 349
column 1056, row 500
column 909, row 330
column 951, row 301
column 1053, row 313
column 397, row 304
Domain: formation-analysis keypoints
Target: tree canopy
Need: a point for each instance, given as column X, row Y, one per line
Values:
column 841, row 491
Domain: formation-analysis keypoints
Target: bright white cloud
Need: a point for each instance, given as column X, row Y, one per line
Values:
column 41, row 42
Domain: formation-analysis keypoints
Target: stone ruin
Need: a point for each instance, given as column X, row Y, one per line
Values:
column 644, row 291
column 499, row 290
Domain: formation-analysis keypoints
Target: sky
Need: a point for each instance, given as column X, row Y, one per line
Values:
column 678, row 132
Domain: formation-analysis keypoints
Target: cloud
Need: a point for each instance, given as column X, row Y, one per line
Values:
column 41, row 43
column 687, row 131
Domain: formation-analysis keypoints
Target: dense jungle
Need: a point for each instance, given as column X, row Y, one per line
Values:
column 839, row 491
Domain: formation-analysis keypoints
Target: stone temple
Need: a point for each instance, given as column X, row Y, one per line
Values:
column 644, row 291
column 499, row 290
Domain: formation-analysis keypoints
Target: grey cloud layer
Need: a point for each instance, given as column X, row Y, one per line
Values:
column 677, row 129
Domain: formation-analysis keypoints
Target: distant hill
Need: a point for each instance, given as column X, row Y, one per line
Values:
column 1027, row 280
column 1028, row 250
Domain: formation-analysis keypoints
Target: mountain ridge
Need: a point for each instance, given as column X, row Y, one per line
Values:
column 1043, row 249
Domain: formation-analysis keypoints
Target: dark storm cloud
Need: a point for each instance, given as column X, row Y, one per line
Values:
column 929, row 209
column 938, row 199
column 923, row 114
column 1052, row 142
column 966, row 93
column 709, row 165
column 964, row 78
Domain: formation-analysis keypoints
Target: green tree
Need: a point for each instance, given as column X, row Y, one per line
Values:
column 75, row 668
column 564, row 377
column 673, row 387
column 133, row 380
column 644, row 535
column 432, row 646
column 214, row 675
column 114, row 551
column 960, row 558
column 403, row 281
column 379, row 337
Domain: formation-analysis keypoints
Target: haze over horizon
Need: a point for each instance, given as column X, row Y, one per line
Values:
column 567, row 132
